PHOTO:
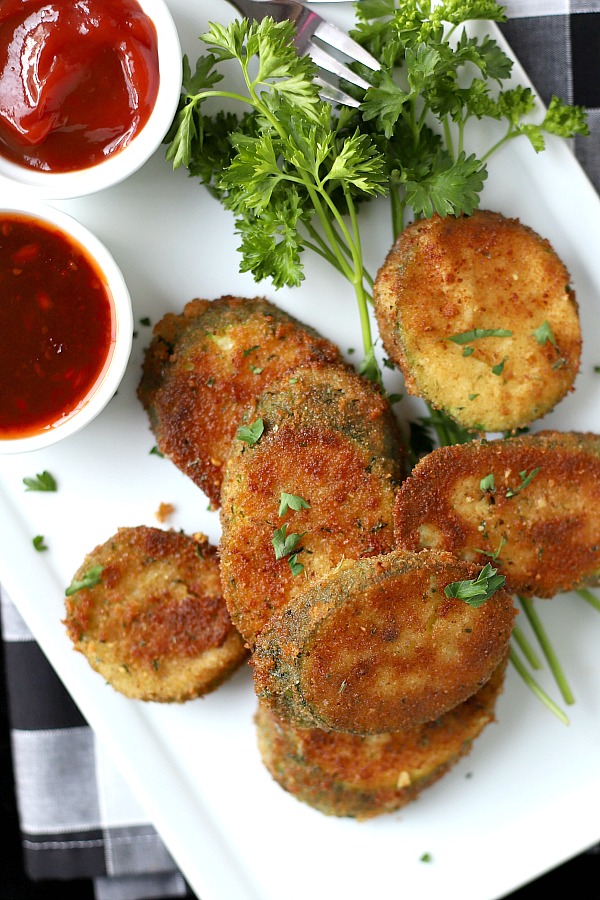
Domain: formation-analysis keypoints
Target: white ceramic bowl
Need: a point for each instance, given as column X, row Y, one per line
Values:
column 114, row 169
column 121, row 328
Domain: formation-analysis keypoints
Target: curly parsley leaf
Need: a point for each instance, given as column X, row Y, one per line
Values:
column 565, row 120
column 450, row 188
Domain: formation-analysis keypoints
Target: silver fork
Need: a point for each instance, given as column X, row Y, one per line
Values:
column 313, row 36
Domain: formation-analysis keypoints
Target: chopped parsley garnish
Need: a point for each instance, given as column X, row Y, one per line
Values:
column 291, row 501
column 251, row 433
column 284, row 543
column 496, row 552
column 476, row 591
column 89, row 580
column 544, row 334
column 42, row 482
column 465, row 337
column 488, row 482
column 295, row 567
column 499, row 367
column 525, row 480
column 39, row 542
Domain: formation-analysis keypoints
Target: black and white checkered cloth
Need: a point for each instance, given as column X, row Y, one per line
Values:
column 78, row 818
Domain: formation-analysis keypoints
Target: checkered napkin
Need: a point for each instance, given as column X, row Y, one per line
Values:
column 78, row 818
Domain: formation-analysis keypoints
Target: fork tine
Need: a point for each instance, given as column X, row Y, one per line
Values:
column 335, row 37
column 325, row 61
column 334, row 94
column 311, row 29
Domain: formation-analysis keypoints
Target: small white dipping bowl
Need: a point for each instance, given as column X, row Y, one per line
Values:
column 38, row 184
column 121, row 328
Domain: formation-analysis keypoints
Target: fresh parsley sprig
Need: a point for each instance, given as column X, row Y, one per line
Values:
column 287, row 166
column 435, row 82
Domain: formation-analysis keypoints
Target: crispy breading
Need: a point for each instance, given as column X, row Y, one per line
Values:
column 330, row 438
column 206, row 365
column 447, row 277
column 362, row 777
column 538, row 520
column 155, row 625
column 377, row 646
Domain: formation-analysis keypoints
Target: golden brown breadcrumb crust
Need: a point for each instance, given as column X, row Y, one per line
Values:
column 377, row 646
column 206, row 365
column 362, row 777
column 330, row 437
column 155, row 625
column 446, row 277
column 538, row 520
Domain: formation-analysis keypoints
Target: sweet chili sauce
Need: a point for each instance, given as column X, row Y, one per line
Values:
column 78, row 80
column 57, row 326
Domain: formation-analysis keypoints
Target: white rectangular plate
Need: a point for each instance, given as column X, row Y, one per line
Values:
column 525, row 799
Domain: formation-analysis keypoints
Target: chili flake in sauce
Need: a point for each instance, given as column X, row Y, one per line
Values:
column 78, row 80
column 57, row 326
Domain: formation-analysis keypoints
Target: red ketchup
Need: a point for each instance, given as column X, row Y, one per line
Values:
column 57, row 326
column 78, row 80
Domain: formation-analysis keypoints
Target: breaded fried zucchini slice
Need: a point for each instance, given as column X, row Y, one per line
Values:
column 147, row 611
column 362, row 777
column 531, row 503
column 330, row 439
column 479, row 315
column 204, row 366
column 377, row 646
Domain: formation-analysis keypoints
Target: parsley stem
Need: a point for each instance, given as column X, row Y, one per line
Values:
column 398, row 209
column 448, row 137
column 510, row 134
column 547, row 649
column 440, row 424
column 536, row 689
column 589, row 598
column 322, row 249
column 526, row 648
column 359, row 289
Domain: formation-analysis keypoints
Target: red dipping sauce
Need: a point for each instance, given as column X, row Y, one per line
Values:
column 78, row 80
column 57, row 326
